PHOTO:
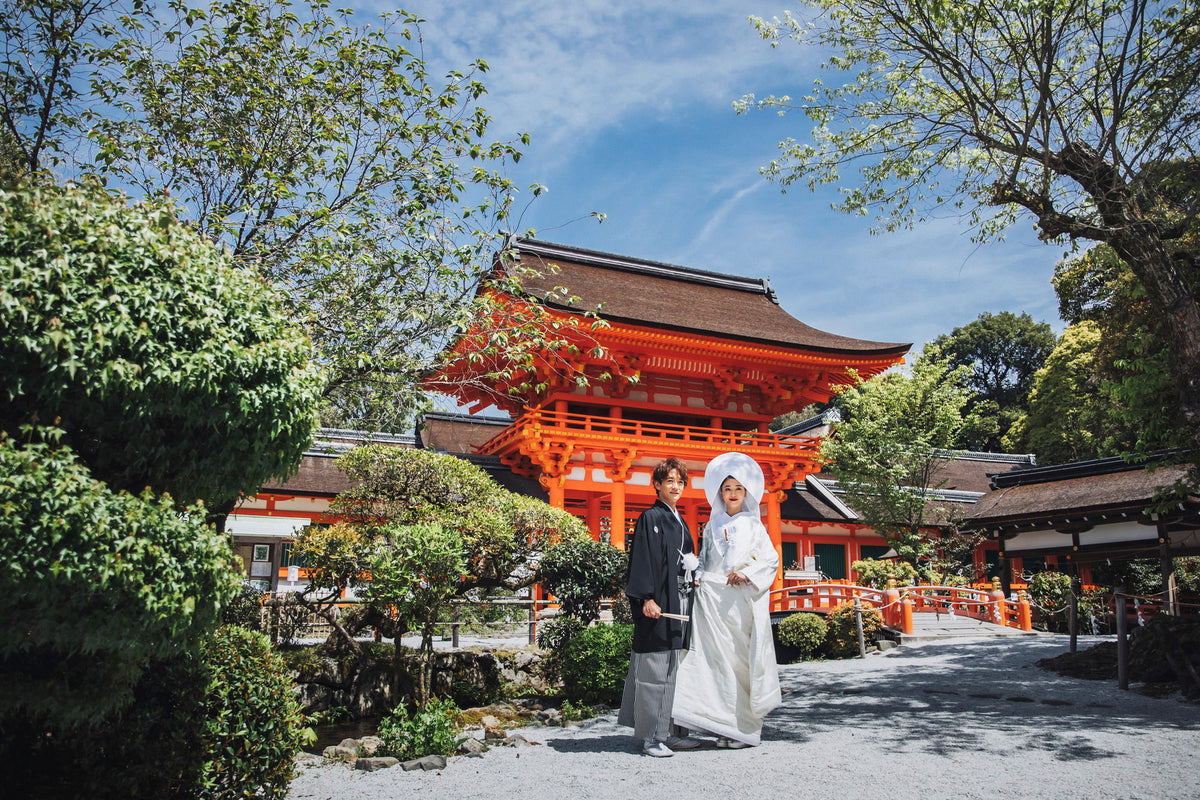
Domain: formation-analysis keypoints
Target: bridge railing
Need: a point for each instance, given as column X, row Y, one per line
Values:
column 896, row 605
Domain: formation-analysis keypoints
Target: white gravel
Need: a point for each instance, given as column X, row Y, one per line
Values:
column 964, row 719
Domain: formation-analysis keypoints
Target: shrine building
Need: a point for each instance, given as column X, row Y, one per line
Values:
column 685, row 363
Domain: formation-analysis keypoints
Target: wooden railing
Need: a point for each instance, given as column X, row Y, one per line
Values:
column 898, row 604
column 583, row 426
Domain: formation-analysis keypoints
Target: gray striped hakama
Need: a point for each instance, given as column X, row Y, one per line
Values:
column 649, row 694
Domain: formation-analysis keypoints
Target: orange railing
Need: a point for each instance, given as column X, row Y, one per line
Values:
column 897, row 604
column 582, row 427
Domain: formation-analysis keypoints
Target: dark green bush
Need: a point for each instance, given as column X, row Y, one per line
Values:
column 579, row 572
column 428, row 731
column 96, row 585
column 1049, row 592
column 842, row 632
column 252, row 720
column 245, row 609
column 804, row 631
column 553, row 636
column 595, row 662
column 165, row 364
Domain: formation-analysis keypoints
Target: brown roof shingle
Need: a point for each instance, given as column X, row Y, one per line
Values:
column 648, row 293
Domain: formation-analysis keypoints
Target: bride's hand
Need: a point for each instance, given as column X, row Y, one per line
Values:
column 736, row 579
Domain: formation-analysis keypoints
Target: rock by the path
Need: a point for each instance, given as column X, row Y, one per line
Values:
column 472, row 747
column 374, row 764
column 427, row 763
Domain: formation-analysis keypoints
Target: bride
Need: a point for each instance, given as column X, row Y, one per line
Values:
column 728, row 681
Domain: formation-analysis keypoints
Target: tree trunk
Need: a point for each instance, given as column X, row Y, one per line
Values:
column 1171, row 289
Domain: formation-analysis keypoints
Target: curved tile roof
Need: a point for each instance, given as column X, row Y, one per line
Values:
column 653, row 294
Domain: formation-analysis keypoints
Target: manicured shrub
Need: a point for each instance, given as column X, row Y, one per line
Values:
column 595, row 662
column 252, row 720
column 803, row 631
column 428, row 731
column 842, row 631
column 96, row 586
column 553, row 637
column 164, row 364
column 579, row 572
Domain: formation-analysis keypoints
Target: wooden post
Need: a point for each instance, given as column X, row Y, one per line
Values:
column 1122, row 640
column 1024, row 612
column 998, row 603
column 1072, row 618
column 891, row 601
column 533, row 603
column 906, row 614
column 454, row 627
column 1167, row 568
column 858, row 624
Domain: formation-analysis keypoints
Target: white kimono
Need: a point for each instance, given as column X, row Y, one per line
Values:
column 728, row 681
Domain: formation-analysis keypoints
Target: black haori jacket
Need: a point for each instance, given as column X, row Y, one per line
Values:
column 655, row 568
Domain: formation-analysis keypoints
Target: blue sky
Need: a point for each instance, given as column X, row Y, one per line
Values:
column 629, row 105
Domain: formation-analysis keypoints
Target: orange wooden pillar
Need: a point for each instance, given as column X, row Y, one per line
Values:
column 593, row 515
column 691, row 514
column 775, row 531
column 616, row 523
column 557, row 491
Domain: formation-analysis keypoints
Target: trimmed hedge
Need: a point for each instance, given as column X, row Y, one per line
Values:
column 595, row 662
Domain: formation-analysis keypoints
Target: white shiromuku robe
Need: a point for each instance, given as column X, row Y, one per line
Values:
column 728, row 681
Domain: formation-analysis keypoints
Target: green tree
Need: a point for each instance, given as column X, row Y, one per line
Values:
column 137, row 357
column 889, row 449
column 97, row 584
column 417, row 570
column 1080, row 113
column 1002, row 351
column 319, row 151
column 161, row 363
column 434, row 527
column 1071, row 417
column 1131, row 358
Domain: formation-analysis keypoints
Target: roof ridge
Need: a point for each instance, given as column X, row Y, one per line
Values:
column 643, row 266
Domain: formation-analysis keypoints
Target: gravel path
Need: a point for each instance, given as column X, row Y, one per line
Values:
column 965, row 719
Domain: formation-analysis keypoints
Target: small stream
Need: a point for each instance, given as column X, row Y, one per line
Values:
column 334, row 732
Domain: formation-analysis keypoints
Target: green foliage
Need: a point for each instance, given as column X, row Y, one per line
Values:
column 163, row 365
column 906, row 113
column 1071, row 417
column 803, row 631
column 553, row 636
column 426, row 732
column 875, row 572
column 1002, row 352
column 571, row 712
column 417, row 570
column 97, row 585
column 245, row 609
column 595, row 663
column 438, row 528
column 890, row 448
column 503, row 534
column 580, row 572
column 319, row 150
column 841, row 635
column 1049, row 592
column 252, row 720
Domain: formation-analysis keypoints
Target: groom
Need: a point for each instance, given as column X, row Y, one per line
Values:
column 661, row 540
